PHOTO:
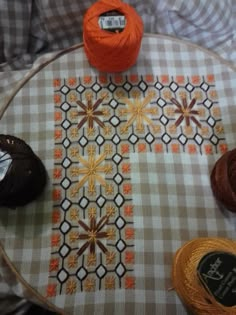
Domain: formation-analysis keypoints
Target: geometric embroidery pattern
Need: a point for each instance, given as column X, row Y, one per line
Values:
column 99, row 121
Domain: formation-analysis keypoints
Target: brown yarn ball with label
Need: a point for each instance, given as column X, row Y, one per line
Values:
column 223, row 180
column 26, row 176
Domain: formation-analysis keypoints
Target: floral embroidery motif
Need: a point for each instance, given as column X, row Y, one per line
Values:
column 54, row 264
column 90, row 113
column 71, row 287
column 110, row 282
column 139, row 112
column 186, row 112
column 129, row 282
column 93, row 235
column 90, row 284
column 72, row 261
column 51, row 290
column 98, row 122
column 91, row 171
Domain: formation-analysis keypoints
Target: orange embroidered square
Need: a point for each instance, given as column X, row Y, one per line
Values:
column 195, row 79
column 56, row 82
column 164, row 79
column 180, row 79
column 72, row 81
column 210, row 78
column 129, row 282
column 127, row 189
column 142, row 147
column 129, row 233
column 129, row 257
column 128, row 210
column 56, row 194
column 175, row 147
column 87, row 79
column 54, row 264
column 118, row 78
column 57, row 98
column 223, row 148
column 192, row 149
column 102, row 79
column 57, row 173
column 51, row 290
column 124, row 148
column 125, row 168
column 57, row 134
column 208, row 149
column 57, row 116
column 133, row 78
column 149, row 78
column 158, row 147
column 58, row 154
column 56, row 216
column 55, row 240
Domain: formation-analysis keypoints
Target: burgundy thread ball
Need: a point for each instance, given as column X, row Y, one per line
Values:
column 25, row 177
column 223, row 180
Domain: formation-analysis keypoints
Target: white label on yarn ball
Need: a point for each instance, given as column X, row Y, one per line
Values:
column 5, row 162
column 217, row 272
column 112, row 23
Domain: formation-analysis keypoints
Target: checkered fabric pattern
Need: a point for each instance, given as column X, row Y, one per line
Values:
column 37, row 27
column 171, row 195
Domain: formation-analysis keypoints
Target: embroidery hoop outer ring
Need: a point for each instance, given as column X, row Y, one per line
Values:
column 7, row 100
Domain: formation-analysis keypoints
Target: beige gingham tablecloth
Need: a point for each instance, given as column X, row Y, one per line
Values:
column 128, row 158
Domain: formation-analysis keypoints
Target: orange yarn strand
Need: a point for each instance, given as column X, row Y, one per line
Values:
column 185, row 279
column 108, row 51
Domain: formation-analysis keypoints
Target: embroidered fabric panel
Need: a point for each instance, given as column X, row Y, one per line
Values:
column 98, row 122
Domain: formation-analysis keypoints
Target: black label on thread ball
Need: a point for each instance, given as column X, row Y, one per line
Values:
column 217, row 272
column 112, row 21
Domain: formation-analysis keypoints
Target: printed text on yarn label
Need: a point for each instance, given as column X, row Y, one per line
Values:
column 112, row 21
column 217, row 272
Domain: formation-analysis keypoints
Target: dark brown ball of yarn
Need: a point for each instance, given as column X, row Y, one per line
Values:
column 26, row 176
column 223, row 180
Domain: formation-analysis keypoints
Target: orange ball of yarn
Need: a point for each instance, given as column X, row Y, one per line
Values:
column 185, row 279
column 108, row 51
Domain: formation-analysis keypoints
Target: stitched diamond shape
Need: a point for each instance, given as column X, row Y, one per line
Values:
column 64, row 250
column 81, row 273
column 62, row 275
column 66, row 203
column 120, row 269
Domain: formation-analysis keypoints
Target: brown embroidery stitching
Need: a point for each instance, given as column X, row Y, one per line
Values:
column 93, row 235
column 90, row 113
column 120, row 140
column 186, row 112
